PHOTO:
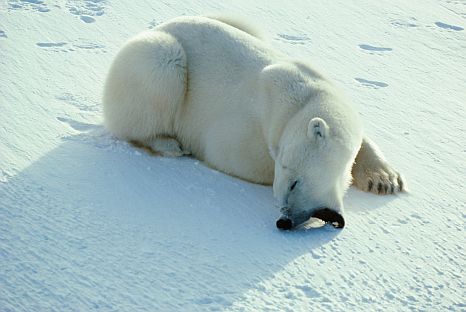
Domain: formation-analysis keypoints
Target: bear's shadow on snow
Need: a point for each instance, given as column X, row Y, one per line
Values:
column 171, row 223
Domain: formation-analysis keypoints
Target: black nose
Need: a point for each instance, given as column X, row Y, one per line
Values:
column 330, row 216
column 284, row 224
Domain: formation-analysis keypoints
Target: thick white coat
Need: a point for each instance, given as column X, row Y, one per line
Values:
column 242, row 107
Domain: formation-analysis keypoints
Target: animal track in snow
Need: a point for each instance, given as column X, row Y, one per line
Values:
column 76, row 125
column 55, row 46
column 448, row 26
column 308, row 291
column 371, row 83
column 35, row 5
column 87, row 10
column 87, row 19
column 50, row 44
column 405, row 23
column 153, row 24
column 69, row 47
column 88, row 45
column 3, row 34
column 371, row 48
column 301, row 39
column 81, row 103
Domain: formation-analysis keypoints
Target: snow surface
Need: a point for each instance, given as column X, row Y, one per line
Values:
column 89, row 223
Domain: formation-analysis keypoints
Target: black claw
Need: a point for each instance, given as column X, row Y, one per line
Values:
column 371, row 184
column 385, row 188
column 392, row 188
column 400, row 184
column 379, row 187
column 330, row 216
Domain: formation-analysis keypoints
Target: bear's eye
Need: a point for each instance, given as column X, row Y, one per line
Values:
column 293, row 185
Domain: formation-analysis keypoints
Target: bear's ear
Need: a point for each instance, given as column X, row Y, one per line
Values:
column 317, row 129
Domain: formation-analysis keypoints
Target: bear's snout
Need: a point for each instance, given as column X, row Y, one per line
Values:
column 284, row 223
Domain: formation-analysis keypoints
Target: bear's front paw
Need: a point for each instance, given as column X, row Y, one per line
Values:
column 379, row 179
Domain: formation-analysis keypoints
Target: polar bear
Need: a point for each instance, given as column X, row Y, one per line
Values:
column 208, row 88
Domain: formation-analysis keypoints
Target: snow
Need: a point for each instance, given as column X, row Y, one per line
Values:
column 89, row 223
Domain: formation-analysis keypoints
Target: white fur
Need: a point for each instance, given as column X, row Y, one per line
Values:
column 198, row 85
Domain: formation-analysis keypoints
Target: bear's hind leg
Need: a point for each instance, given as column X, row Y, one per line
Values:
column 372, row 173
column 146, row 85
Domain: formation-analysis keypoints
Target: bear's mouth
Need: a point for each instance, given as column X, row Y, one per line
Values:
column 328, row 216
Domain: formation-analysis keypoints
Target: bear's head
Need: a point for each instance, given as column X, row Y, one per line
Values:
column 313, row 169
